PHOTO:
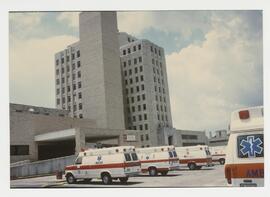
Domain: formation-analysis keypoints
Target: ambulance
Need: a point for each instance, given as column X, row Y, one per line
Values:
column 161, row 159
column 218, row 154
column 194, row 157
column 244, row 164
column 105, row 163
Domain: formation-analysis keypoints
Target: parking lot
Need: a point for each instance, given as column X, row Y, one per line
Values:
column 206, row 177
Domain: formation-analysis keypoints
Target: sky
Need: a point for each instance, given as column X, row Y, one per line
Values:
column 214, row 59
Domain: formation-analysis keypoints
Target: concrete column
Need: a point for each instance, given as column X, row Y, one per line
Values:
column 79, row 140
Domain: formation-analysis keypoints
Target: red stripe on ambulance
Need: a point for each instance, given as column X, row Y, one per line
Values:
column 245, row 170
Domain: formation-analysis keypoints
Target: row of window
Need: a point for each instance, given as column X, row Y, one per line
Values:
column 156, row 70
column 134, row 48
column 137, row 79
column 139, row 127
column 136, row 70
column 159, row 89
column 79, row 75
column 68, row 68
column 160, row 98
column 135, row 61
column 139, row 108
column 146, row 137
column 68, row 88
column 155, row 50
column 157, row 79
column 62, row 59
column 160, row 107
column 161, row 117
column 68, row 98
column 132, row 90
column 132, row 99
column 140, row 118
column 157, row 63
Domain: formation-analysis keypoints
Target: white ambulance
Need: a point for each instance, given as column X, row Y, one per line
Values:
column 244, row 165
column 105, row 163
column 161, row 159
column 194, row 157
column 218, row 154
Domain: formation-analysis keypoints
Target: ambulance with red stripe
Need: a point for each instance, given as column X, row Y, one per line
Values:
column 245, row 151
column 161, row 159
column 106, row 163
column 194, row 157
column 218, row 154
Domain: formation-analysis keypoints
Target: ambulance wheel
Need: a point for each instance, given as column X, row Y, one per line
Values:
column 164, row 173
column 123, row 179
column 222, row 161
column 152, row 171
column 106, row 178
column 70, row 179
column 192, row 166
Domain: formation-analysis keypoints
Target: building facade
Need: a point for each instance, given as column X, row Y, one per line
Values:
column 145, row 87
column 219, row 138
column 88, row 73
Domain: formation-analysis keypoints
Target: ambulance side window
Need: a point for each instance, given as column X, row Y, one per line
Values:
column 170, row 153
column 127, row 157
column 250, row 146
column 78, row 160
column 134, row 156
column 174, row 153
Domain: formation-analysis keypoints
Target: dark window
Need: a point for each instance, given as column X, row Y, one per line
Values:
column 72, row 56
column 125, row 73
column 58, row 101
column 159, row 53
column 141, row 77
column 128, row 50
column 139, row 46
column 125, row 64
column 139, row 109
column 73, row 66
column 57, row 62
column 190, row 137
column 80, row 116
column 141, row 137
column 137, row 88
column 78, row 54
column 78, row 64
column 144, row 106
column 143, row 96
column 63, row 80
column 79, row 84
column 129, row 62
column 142, row 87
column 57, row 71
column 79, row 74
column 250, row 146
column 151, row 48
column 134, row 118
column 124, row 52
column 134, row 48
column 80, row 105
column 62, row 60
column 127, row 157
column 145, row 116
column 141, row 68
column 80, row 95
column 57, row 91
column 153, row 61
column 130, row 81
column 134, row 156
column 138, row 98
column 78, row 160
column 136, row 71
column 135, row 61
column 155, row 51
column 146, row 137
column 140, row 116
column 19, row 150
column 67, row 58
column 133, row 109
column 63, row 70
column 140, row 59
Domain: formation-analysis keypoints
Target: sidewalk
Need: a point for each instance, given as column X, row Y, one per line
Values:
column 38, row 182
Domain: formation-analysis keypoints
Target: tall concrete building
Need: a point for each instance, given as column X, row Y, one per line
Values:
column 145, row 87
column 88, row 73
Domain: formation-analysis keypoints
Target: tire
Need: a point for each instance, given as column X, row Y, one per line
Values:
column 192, row 166
column 222, row 161
column 152, row 171
column 70, row 179
column 123, row 179
column 106, row 178
column 164, row 173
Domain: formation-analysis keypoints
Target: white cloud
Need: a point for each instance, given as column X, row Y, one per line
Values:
column 71, row 18
column 32, row 69
column 29, row 19
column 134, row 22
column 210, row 80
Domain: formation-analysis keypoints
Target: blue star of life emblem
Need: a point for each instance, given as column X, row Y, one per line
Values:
column 251, row 146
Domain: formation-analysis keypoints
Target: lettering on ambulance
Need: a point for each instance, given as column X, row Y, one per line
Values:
column 255, row 173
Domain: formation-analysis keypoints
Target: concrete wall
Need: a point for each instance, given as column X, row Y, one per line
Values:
column 41, row 167
column 201, row 137
column 24, row 126
column 101, row 74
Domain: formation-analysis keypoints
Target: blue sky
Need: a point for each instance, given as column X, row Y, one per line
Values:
column 214, row 59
